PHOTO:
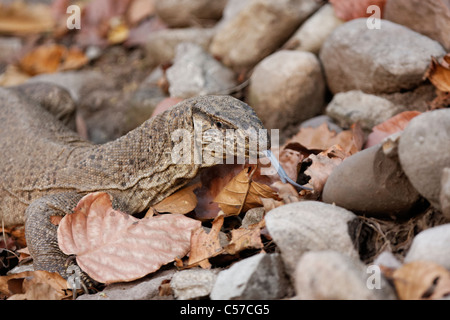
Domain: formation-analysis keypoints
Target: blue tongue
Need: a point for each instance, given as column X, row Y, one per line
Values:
column 283, row 175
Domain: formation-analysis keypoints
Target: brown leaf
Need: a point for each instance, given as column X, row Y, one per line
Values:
column 213, row 180
column 421, row 280
column 439, row 73
column 242, row 238
column 354, row 9
column 322, row 138
column 34, row 285
column 322, row 166
column 112, row 246
column 205, row 245
column 241, row 193
column 13, row 76
column 392, row 125
column 181, row 202
column 52, row 58
column 23, row 18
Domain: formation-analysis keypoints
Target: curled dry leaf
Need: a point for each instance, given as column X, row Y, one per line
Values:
column 241, row 193
column 205, row 245
column 439, row 73
column 395, row 124
column 52, row 58
column 421, row 280
column 181, row 202
column 20, row 18
column 34, row 285
column 112, row 246
column 322, row 166
column 322, row 138
column 245, row 238
column 354, row 9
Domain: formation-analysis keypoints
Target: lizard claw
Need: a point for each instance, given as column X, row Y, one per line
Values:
column 78, row 279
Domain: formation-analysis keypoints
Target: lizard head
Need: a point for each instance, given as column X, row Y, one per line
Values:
column 226, row 127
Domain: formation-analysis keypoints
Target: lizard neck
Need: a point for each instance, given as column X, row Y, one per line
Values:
column 140, row 164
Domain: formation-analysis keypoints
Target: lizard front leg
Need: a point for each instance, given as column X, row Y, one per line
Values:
column 41, row 232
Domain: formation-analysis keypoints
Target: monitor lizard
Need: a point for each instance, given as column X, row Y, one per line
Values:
column 46, row 168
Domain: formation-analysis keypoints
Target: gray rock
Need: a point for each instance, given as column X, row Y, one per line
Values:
column 193, row 283
column 316, row 122
column 309, row 225
column 258, row 30
column 253, row 216
column 380, row 188
column 195, row 73
column 423, row 152
column 161, row 45
column 417, row 99
column 193, row 11
column 430, row 18
column 444, row 197
column 330, row 275
column 390, row 59
column 431, row 245
column 287, row 88
column 73, row 81
column 349, row 107
column 142, row 289
column 313, row 32
column 258, row 277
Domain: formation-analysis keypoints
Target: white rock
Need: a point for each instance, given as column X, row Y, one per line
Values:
column 431, row 245
column 192, row 11
column 259, row 277
column 310, row 226
column 161, row 45
column 390, row 59
column 287, row 88
column 424, row 152
column 195, row 73
column 313, row 32
column 430, row 17
column 193, row 283
column 330, row 275
column 349, row 107
column 258, row 30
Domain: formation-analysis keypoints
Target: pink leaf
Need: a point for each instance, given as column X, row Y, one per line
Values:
column 112, row 246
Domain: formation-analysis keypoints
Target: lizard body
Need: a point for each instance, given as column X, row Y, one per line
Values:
column 45, row 168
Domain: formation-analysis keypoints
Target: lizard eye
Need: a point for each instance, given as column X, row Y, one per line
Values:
column 219, row 124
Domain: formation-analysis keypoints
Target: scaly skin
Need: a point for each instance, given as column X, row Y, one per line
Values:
column 45, row 168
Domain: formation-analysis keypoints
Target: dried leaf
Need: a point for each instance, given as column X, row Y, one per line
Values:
column 243, row 238
column 439, row 73
column 181, row 202
column 354, row 9
column 22, row 19
column 205, row 245
column 421, row 280
column 52, row 58
column 112, row 246
column 213, row 180
column 322, row 138
column 118, row 32
column 392, row 125
column 34, row 285
column 241, row 193
column 322, row 166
